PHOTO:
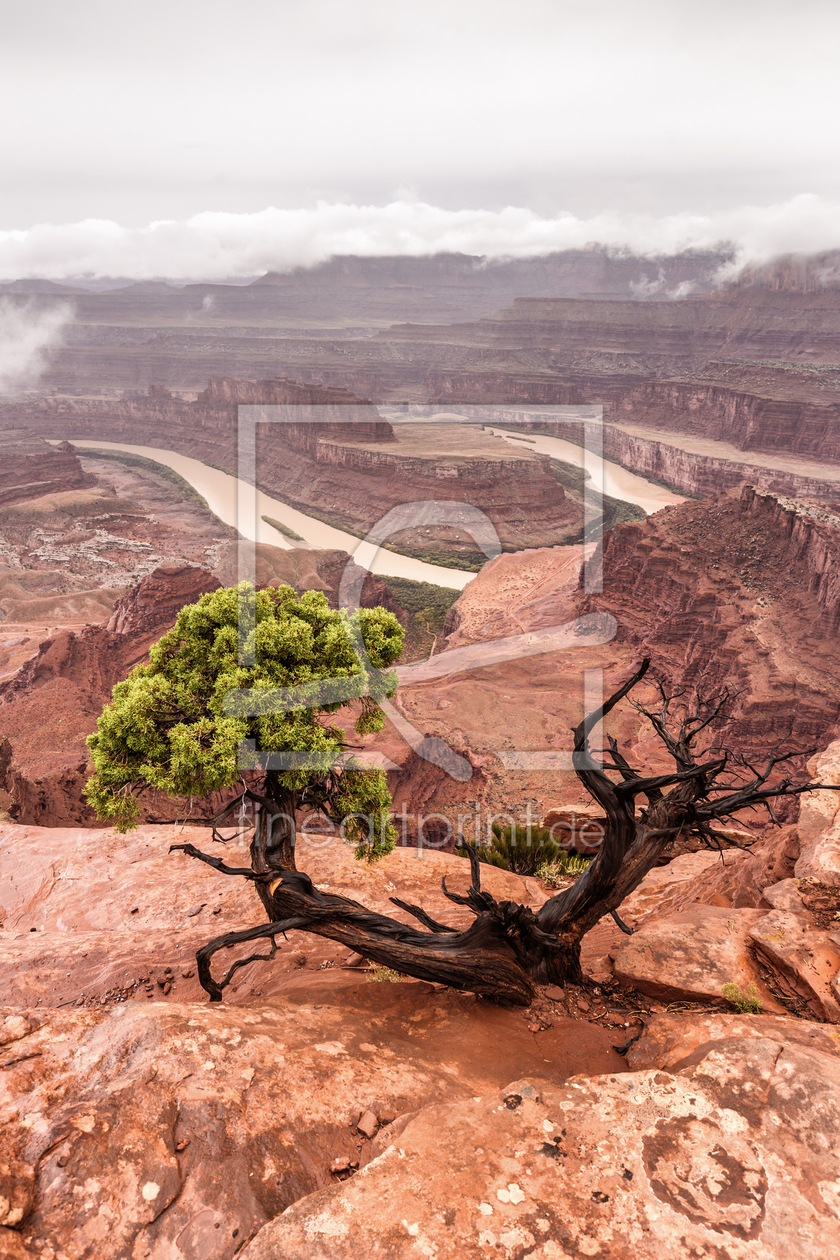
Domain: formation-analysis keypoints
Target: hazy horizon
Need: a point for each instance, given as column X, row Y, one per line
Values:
column 210, row 140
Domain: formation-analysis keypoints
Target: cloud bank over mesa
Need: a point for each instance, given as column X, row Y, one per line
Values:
column 216, row 246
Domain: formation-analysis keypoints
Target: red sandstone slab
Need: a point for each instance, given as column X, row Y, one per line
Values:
column 691, row 955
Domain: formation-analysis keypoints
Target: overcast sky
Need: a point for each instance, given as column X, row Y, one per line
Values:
column 671, row 121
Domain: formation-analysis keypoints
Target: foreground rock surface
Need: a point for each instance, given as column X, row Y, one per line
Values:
column 178, row 1131
column 91, row 916
column 691, row 955
column 674, row 1041
column 731, row 1156
column 819, row 823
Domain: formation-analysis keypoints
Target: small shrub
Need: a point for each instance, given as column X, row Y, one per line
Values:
column 745, row 1003
column 384, row 975
column 566, row 865
column 522, row 850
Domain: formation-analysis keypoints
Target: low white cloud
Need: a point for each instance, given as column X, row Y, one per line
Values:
column 645, row 287
column 215, row 245
column 27, row 337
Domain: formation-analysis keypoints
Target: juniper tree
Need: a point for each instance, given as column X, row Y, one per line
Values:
column 173, row 725
column 239, row 692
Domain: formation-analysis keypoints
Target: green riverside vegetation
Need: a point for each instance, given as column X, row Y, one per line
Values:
column 144, row 464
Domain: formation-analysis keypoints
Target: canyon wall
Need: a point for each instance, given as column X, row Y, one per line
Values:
column 736, row 593
column 321, row 461
column 754, row 364
column 748, row 324
column 30, row 467
column 747, row 420
column 307, row 464
column 813, row 544
column 208, row 424
column 703, row 475
column 741, row 592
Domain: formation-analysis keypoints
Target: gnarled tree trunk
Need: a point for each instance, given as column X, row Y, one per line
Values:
column 508, row 949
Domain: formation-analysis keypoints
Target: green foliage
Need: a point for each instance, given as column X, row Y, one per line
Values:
column 615, row 512
column 522, row 850
column 469, row 560
column 745, row 1002
column 282, row 529
column 618, row 511
column 428, row 604
column 567, row 865
column 177, row 724
column 571, row 476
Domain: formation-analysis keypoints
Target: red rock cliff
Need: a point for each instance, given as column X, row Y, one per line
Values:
column 316, row 461
column 739, row 591
column 30, row 467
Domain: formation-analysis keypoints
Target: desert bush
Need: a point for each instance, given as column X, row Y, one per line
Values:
column 746, row 1002
column 428, row 604
column 384, row 975
column 519, row 849
column 566, row 866
column 285, row 530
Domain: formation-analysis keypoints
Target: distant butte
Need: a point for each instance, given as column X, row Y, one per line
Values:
column 29, row 466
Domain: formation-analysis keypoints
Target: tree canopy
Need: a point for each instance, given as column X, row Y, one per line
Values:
column 243, row 674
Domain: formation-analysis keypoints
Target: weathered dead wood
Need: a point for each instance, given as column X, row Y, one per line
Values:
column 508, row 948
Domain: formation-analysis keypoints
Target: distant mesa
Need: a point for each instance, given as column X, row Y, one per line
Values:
column 36, row 286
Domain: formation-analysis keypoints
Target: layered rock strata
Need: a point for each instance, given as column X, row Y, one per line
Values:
column 735, row 592
column 327, row 458
column 30, row 467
